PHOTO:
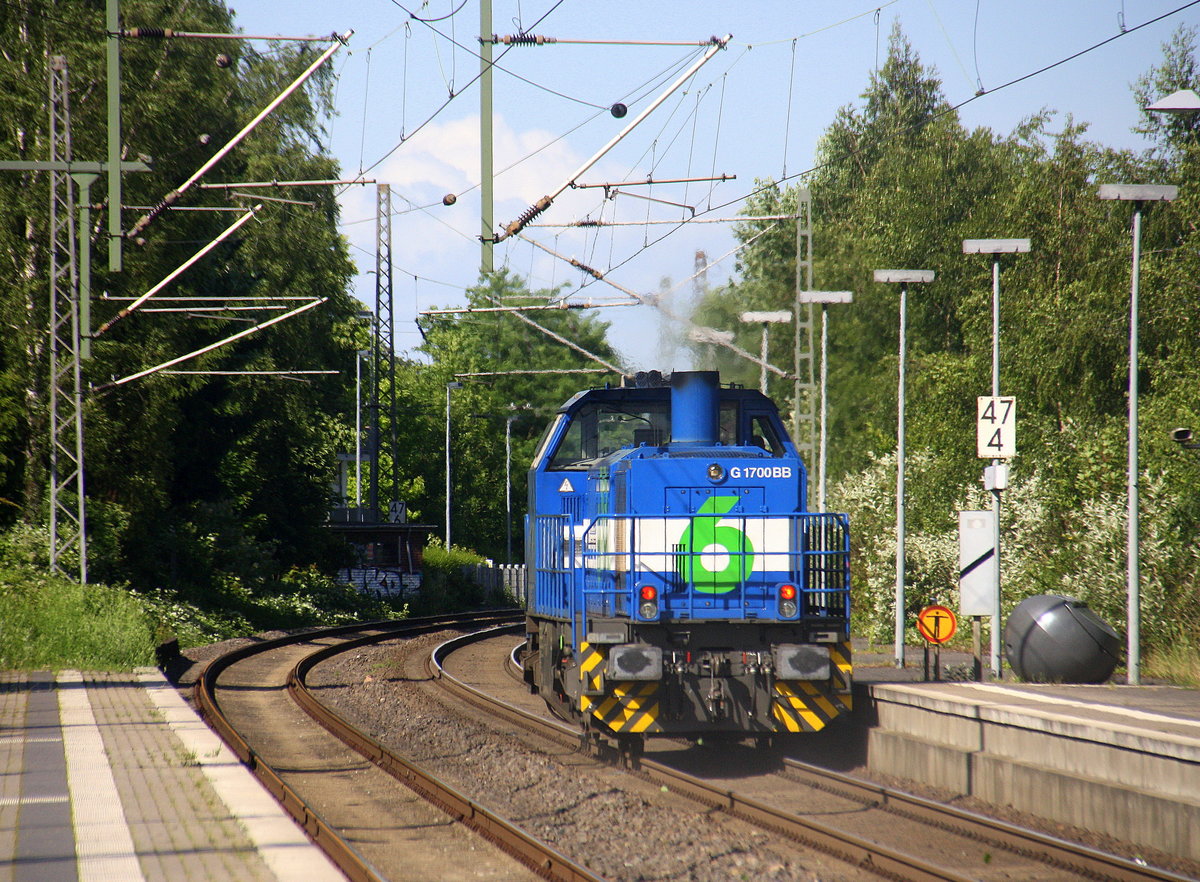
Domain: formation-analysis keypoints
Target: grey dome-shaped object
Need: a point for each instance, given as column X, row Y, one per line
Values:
column 1054, row 639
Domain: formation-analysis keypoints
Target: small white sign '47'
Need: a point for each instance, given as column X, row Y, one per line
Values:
column 996, row 427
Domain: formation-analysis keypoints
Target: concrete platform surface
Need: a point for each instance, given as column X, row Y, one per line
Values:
column 113, row 777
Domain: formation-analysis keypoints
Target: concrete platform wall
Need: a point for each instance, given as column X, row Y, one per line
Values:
column 1115, row 779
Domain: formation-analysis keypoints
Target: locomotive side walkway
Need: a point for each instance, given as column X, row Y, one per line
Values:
column 1115, row 759
column 113, row 776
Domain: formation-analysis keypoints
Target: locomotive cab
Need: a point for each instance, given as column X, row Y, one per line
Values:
column 679, row 585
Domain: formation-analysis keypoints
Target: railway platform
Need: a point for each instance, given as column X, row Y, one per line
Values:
column 113, row 777
column 1115, row 759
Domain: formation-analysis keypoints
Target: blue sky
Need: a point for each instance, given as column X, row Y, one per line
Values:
column 757, row 109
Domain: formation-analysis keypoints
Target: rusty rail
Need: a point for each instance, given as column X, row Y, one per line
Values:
column 540, row 857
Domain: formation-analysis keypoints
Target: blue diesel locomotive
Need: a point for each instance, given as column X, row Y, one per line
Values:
column 678, row 584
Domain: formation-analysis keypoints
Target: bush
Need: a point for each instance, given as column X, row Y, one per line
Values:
column 1077, row 550
column 53, row 622
column 444, row 588
column 301, row 598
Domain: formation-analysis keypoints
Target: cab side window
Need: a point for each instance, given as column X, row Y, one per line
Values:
column 763, row 434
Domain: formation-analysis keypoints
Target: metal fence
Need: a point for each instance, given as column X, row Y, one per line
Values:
column 503, row 582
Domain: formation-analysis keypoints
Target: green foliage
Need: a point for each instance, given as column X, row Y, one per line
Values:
column 51, row 622
column 901, row 183
column 301, row 598
column 193, row 481
column 444, row 585
column 488, row 345
column 1077, row 552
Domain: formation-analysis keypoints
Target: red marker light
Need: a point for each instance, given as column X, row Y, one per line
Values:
column 649, row 592
column 787, row 592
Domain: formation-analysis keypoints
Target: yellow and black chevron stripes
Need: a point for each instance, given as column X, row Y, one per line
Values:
column 801, row 706
column 591, row 668
column 843, row 674
column 630, row 707
column 627, row 707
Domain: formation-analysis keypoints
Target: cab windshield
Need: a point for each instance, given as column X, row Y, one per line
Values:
column 600, row 429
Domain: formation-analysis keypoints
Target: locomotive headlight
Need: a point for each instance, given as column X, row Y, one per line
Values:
column 648, row 602
column 716, row 473
column 787, row 601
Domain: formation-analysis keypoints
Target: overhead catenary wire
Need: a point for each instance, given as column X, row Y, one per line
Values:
column 814, row 168
column 169, row 33
column 209, row 348
column 174, row 195
column 947, row 110
column 542, row 204
column 527, row 39
column 175, row 273
column 672, row 222
column 444, row 104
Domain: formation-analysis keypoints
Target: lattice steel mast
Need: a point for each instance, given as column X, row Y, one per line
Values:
column 68, row 514
column 383, row 359
column 804, row 403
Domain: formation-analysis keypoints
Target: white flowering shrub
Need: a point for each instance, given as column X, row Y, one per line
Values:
column 1079, row 552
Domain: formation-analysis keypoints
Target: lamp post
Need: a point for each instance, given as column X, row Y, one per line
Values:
column 824, row 298
column 508, row 421
column 358, row 357
column 996, row 247
column 766, row 319
column 449, row 386
column 904, row 278
column 1137, row 194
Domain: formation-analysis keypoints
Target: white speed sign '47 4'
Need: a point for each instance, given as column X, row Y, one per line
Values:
column 996, row 427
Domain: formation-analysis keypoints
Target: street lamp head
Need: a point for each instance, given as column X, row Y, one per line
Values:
column 772, row 317
column 825, row 297
column 906, row 276
column 1181, row 436
column 454, row 384
column 1183, row 101
column 1139, row 192
column 995, row 246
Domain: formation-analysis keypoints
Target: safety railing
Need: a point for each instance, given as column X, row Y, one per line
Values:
column 717, row 565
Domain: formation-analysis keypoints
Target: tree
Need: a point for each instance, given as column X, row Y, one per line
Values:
column 504, row 353
column 900, row 184
column 193, row 480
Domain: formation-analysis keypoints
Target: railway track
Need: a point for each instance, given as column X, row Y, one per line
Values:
column 1010, row 852
column 1043, row 856
column 245, row 695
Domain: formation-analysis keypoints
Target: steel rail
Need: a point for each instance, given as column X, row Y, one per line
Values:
column 1029, row 843
column 845, row 846
column 1020, row 840
column 347, row 859
column 534, row 854
column 530, row 851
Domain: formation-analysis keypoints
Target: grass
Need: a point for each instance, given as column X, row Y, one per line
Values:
column 52, row 622
column 1178, row 664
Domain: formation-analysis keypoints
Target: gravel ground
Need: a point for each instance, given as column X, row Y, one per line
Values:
column 619, row 826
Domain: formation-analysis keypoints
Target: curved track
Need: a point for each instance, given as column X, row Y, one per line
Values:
column 973, row 846
column 253, row 696
column 245, row 695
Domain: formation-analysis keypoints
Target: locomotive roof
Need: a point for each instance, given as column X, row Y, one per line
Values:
column 633, row 394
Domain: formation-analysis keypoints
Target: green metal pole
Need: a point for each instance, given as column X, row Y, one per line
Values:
column 85, row 182
column 113, row 75
column 487, row 223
